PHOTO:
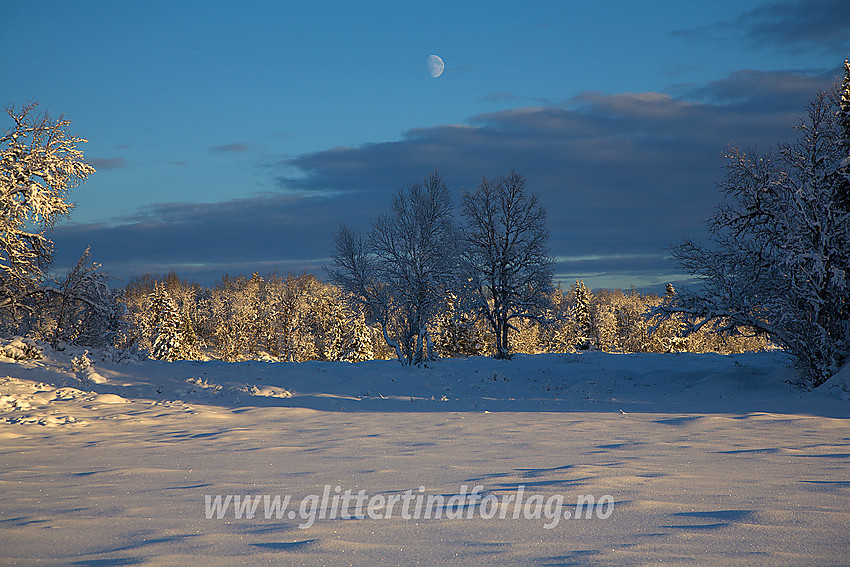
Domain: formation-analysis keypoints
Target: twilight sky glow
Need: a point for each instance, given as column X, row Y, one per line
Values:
column 233, row 137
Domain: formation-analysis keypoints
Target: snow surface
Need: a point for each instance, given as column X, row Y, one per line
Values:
column 710, row 460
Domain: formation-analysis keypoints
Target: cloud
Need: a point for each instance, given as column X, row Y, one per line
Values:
column 595, row 144
column 649, row 272
column 812, row 23
column 775, row 91
column 107, row 163
column 622, row 177
column 805, row 24
column 265, row 232
column 237, row 148
column 499, row 97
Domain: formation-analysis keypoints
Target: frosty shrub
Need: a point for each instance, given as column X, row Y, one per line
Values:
column 82, row 308
column 779, row 260
column 20, row 348
column 80, row 363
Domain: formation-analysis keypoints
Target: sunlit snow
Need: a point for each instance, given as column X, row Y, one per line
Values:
column 710, row 460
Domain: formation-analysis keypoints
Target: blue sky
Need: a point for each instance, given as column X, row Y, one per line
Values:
column 233, row 137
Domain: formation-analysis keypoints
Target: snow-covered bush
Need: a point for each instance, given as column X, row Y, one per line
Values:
column 21, row 348
column 80, row 363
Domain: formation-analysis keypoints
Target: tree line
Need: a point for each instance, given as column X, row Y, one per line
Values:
column 296, row 318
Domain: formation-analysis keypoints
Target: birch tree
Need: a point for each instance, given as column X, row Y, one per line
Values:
column 402, row 271
column 39, row 163
column 779, row 261
column 505, row 250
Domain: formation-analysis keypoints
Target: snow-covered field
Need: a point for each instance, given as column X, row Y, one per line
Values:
column 707, row 460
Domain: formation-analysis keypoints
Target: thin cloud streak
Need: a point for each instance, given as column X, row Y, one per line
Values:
column 237, row 148
column 101, row 164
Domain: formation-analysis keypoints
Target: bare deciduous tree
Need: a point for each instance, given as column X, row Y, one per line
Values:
column 505, row 250
column 401, row 273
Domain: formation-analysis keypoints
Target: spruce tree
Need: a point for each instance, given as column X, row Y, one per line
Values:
column 359, row 344
column 456, row 333
column 584, row 329
column 842, row 172
column 168, row 342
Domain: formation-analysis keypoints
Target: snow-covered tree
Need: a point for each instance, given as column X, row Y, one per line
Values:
column 559, row 333
column 665, row 331
column 401, row 272
column 358, row 346
column 581, row 316
column 39, row 163
column 780, row 258
column 456, row 333
column 842, row 118
column 341, row 331
column 187, row 297
column 298, row 320
column 630, row 324
column 332, row 328
column 231, row 312
column 525, row 337
column 504, row 248
column 168, row 343
column 85, row 309
column 190, row 301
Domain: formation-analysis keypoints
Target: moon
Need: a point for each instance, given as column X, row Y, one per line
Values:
column 435, row 65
